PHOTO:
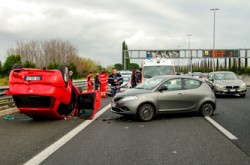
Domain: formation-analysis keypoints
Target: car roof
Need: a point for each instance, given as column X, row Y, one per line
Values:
column 223, row 72
column 180, row 76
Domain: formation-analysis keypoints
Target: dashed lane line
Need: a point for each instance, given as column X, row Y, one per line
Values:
column 59, row 143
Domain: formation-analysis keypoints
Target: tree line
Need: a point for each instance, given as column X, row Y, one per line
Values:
column 49, row 54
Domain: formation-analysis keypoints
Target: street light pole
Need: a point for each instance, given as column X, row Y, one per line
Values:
column 189, row 35
column 214, row 10
column 178, row 59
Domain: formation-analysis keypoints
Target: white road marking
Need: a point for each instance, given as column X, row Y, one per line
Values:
column 220, row 128
column 59, row 143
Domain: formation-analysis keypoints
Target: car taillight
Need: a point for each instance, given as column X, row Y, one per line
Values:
column 52, row 102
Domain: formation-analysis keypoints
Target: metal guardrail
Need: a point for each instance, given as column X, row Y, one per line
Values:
column 7, row 101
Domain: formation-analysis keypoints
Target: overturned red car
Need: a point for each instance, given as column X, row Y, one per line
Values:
column 41, row 93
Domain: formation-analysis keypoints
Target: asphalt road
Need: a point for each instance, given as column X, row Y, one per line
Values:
column 113, row 139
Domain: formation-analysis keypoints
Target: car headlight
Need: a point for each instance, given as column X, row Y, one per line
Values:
column 128, row 98
column 243, row 85
column 219, row 86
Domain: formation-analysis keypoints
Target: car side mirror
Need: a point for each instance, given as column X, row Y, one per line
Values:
column 163, row 88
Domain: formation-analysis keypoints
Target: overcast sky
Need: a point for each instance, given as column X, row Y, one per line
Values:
column 98, row 27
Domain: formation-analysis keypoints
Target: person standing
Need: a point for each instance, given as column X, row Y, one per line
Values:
column 70, row 75
column 103, row 78
column 133, row 79
column 97, row 82
column 90, row 82
column 115, row 79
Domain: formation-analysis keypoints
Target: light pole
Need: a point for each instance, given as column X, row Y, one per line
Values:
column 214, row 10
column 189, row 35
column 178, row 47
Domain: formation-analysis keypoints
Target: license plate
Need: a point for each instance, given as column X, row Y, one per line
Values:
column 232, row 90
column 32, row 78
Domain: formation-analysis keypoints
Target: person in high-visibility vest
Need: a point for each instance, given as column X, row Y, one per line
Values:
column 103, row 79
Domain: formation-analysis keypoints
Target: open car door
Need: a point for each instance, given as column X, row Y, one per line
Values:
column 88, row 104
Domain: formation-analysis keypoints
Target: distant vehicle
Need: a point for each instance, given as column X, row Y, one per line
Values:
column 125, row 72
column 204, row 76
column 164, row 94
column 125, row 85
column 226, row 83
column 40, row 93
column 157, row 66
column 196, row 74
column 126, row 81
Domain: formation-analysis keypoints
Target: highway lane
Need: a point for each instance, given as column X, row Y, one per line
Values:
column 112, row 139
column 234, row 115
column 172, row 139
column 21, row 139
column 169, row 139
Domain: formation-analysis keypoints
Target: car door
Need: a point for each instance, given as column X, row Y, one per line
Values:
column 172, row 98
column 182, row 95
column 191, row 94
column 87, row 104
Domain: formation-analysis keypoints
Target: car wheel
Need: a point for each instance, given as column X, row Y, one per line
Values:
column 146, row 112
column 16, row 66
column 243, row 95
column 207, row 109
column 65, row 73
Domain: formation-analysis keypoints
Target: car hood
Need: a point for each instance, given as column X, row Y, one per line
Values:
column 132, row 92
column 229, row 82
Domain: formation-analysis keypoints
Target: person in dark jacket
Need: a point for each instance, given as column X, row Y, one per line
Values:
column 97, row 82
column 133, row 79
column 115, row 79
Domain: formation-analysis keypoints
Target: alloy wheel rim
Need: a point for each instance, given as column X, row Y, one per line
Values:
column 207, row 110
column 146, row 113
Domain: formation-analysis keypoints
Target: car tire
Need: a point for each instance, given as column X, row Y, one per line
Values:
column 146, row 112
column 242, row 95
column 16, row 66
column 207, row 109
column 65, row 73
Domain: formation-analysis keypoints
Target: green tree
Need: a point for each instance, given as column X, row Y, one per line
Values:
column 134, row 66
column 53, row 66
column 118, row 66
column 125, row 56
column 109, row 68
column 28, row 64
column 10, row 61
column 1, row 70
column 123, row 53
column 72, row 67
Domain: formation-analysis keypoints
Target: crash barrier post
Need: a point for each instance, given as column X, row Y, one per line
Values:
column 6, row 101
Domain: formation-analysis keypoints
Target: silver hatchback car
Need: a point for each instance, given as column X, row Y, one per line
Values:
column 165, row 94
column 226, row 83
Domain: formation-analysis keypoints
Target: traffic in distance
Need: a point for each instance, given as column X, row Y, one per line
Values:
column 151, row 96
column 152, row 90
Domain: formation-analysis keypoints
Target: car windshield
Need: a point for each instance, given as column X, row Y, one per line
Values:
column 196, row 73
column 150, row 84
column 126, row 78
column 152, row 71
column 225, row 76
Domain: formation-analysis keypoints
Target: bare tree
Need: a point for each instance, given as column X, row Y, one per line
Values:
column 45, row 52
